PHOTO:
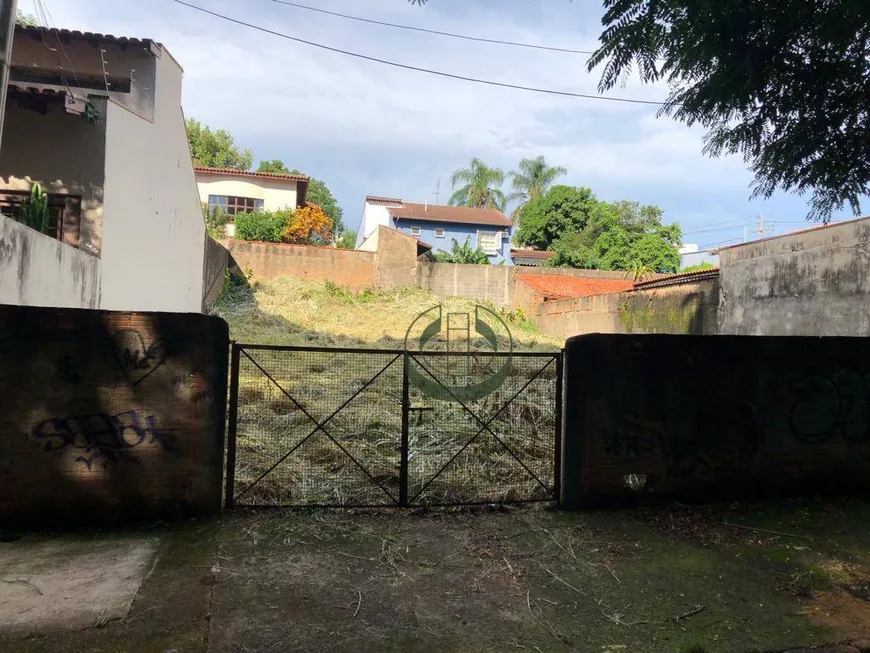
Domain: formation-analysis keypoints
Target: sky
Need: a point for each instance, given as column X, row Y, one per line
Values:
column 368, row 129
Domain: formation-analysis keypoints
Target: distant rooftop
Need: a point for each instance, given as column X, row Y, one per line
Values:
column 553, row 286
column 451, row 214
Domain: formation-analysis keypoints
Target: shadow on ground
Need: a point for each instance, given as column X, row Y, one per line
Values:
column 740, row 578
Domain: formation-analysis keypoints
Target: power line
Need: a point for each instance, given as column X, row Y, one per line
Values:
column 432, row 31
column 438, row 73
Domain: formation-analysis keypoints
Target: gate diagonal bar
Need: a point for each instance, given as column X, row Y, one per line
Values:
column 485, row 425
column 388, row 442
column 319, row 426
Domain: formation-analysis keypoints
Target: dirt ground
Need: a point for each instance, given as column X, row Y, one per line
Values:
column 767, row 577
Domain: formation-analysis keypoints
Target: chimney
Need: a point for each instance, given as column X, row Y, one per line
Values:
column 425, row 205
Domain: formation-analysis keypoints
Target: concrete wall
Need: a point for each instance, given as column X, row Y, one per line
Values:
column 492, row 283
column 64, row 153
column 153, row 232
column 689, row 308
column 396, row 259
column 655, row 418
column 812, row 283
column 110, row 416
column 495, row 283
column 216, row 262
column 345, row 267
column 275, row 194
column 37, row 270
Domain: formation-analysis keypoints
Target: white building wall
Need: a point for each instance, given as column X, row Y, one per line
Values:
column 275, row 194
column 37, row 270
column 153, row 229
column 374, row 216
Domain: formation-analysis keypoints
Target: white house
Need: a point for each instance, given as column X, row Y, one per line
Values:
column 239, row 191
column 96, row 121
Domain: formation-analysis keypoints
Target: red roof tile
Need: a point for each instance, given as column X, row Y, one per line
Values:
column 67, row 34
column 532, row 253
column 233, row 172
column 682, row 277
column 559, row 287
column 453, row 214
column 374, row 199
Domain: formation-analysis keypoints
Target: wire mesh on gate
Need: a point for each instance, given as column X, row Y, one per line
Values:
column 317, row 427
column 497, row 449
column 344, row 427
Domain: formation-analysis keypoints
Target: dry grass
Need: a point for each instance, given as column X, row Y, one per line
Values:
column 368, row 429
column 291, row 311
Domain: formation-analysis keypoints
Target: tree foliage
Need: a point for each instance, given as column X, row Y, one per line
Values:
column 463, row 253
column 25, row 19
column 533, row 178
column 347, row 240
column 216, row 149
column 784, row 83
column 588, row 233
column 275, row 166
column 308, row 226
column 561, row 210
column 479, row 187
column 262, row 226
column 704, row 265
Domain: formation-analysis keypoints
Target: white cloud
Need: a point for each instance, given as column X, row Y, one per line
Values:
column 369, row 128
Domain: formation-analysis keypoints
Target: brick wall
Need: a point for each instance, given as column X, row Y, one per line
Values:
column 344, row 267
column 714, row 418
column 109, row 415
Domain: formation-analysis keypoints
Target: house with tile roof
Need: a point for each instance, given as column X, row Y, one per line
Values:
column 94, row 122
column 240, row 191
column 439, row 226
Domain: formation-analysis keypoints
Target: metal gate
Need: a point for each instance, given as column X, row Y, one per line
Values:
column 311, row 426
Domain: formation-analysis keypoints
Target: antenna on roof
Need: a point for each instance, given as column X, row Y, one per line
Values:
column 437, row 190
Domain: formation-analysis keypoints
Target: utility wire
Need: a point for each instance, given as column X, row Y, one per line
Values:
column 432, row 31
column 438, row 73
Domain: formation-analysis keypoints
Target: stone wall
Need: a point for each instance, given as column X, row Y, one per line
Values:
column 686, row 308
column 110, row 416
column 37, row 270
column 344, row 267
column 659, row 417
column 814, row 282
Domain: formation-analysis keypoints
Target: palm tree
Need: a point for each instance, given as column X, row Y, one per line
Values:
column 532, row 180
column 481, row 189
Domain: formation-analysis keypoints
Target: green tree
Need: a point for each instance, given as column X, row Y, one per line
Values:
column 276, row 166
column 561, row 210
column 347, row 240
column 464, row 253
column 480, row 187
column 781, row 82
column 705, row 265
column 215, row 149
column 532, row 180
column 25, row 20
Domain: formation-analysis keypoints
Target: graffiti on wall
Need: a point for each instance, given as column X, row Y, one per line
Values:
column 99, row 436
column 137, row 359
column 827, row 406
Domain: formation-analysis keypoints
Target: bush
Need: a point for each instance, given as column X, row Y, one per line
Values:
column 462, row 254
column 216, row 220
column 265, row 226
column 308, row 226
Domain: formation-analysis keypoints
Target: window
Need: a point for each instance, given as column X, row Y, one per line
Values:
column 439, row 233
column 489, row 241
column 415, row 231
column 64, row 213
column 233, row 205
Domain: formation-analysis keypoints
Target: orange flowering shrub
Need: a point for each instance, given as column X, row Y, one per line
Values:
column 308, row 226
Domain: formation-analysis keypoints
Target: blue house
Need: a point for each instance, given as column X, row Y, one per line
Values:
column 439, row 226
